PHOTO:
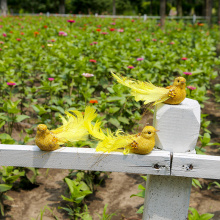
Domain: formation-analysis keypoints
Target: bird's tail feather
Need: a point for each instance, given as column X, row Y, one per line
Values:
column 144, row 91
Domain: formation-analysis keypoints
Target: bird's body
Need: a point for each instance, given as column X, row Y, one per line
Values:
column 142, row 143
column 45, row 139
column 147, row 92
column 72, row 130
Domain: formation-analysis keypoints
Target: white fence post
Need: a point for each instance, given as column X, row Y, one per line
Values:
column 194, row 19
column 145, row 17
column 168, row 197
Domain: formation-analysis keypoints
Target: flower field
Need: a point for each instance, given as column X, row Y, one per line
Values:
column 52, row 64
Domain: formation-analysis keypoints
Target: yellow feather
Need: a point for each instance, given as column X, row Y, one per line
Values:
column 144, row 91
column 73, row 128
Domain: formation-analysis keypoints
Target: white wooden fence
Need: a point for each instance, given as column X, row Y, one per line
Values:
column 170, row 169
column 144, row 17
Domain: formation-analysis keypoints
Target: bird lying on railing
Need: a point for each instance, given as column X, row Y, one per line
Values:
column 147, row 92
column 72, row 130
column 141, row 143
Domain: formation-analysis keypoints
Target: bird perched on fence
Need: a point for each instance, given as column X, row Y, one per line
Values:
column 147, row 92
column 72, row 130
column 141, row 143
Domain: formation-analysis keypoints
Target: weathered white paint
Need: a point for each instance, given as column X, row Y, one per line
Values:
column 197, row 166
column 157, row 162
column 178, row 126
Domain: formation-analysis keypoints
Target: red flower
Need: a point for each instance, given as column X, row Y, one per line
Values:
column 22, row 33
column 111, row 29
column 92, row 61
column 98, row 29
column 71, row 21
column 132, row 20
column 11, row 83
column 18, row 39
column 93, row 101
column 45, row 26
column 184, row 58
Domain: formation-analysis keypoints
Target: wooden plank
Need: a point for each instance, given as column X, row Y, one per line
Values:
column 157, row 162
column 195, row 165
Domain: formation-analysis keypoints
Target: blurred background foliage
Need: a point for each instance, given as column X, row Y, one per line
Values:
column 123, row 7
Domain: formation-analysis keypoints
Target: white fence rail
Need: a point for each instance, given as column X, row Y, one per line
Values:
column 144, row 17
column 170, row 169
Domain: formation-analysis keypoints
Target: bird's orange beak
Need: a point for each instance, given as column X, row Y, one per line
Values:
column 157, row 130
column 182, row 82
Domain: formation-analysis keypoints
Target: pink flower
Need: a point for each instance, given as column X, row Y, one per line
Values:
column 0, row 49
column 1, row 42
column 51, row 79
column 62, row 33
column 92, row 61
column 11, row 83
column 104, row 33
column 71, row 21
column 91, row 44
column 184, row 58
column 18, row 39
column 4, row 35
column 120, row 30
column 191, row 87
column 87, row 75
column 1, row 26
column 139, row 59
column 154, row 39
column 161, row 41
column 187, row 73
column 132, row 20
column 138, row 39
column 113, row 23
column 95, row 42
column 130, row 67
column 172, row 42
column 99, row 25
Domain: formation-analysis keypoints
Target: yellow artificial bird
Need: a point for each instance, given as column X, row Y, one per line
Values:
column 141, row 143
column 147, row 92
column 72, row 130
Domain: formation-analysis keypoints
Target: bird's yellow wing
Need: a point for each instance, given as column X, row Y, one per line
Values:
column 144, row 91
column 116, row 142
column 73, row 128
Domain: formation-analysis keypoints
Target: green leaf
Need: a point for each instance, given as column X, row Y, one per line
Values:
column 5, row 136
column 206, row 216
column 114, row 122
column 20, row 118
column 123, row 119
column 140, row 210
column 5, row 187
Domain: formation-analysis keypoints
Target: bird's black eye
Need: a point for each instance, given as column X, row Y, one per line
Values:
column 149, row 132
column 178, row 81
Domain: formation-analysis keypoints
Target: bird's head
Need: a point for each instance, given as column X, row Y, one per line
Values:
column 148, row 132
column 41, row 128
column 180, row 81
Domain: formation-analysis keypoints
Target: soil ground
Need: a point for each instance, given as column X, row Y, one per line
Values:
column 115, row 192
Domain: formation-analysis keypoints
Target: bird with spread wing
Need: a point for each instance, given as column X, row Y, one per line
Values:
column 141, row 143
column 72, row 130
column 147, row 92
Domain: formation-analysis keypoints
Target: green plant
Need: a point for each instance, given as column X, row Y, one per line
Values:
column 106, row 216
column 78, row 190
column 40, row 216
column 8, row 175
column 194, row 215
